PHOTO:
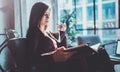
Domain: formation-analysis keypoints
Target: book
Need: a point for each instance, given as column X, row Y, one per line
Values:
column 75, row 47
column 67, row 49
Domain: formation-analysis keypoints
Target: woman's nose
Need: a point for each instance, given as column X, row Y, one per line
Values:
column 48, row 16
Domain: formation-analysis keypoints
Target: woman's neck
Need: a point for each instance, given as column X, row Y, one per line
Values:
column 43, row 29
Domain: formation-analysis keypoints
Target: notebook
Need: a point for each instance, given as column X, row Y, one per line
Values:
column 117, row 51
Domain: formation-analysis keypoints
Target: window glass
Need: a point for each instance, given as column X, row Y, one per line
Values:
column 91, row 1
column 77, row 2
column 79, row 15
column 108, row 0
column 108, row 10
column 105, row 24
column 90, row 12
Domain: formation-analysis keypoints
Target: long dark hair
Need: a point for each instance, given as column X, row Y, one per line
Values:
column 37, row 12
column 32, row 35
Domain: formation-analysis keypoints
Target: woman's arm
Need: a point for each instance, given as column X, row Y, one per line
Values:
column 63, row 39
column 60, row 38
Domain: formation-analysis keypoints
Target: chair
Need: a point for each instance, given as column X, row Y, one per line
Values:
column 11, row 33
column 91, row 40
column 17, row 47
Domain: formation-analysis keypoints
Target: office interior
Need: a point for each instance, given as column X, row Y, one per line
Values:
column 82, row 17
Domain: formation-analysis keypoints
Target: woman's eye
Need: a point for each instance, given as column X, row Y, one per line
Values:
column 46, row 15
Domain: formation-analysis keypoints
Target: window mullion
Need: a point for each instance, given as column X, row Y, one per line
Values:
column 94, row 18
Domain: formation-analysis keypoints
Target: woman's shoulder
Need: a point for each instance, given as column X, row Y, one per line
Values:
column 33, row 29
column 34, row 32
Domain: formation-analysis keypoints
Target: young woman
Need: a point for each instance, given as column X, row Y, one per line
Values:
column 46, row 53
column 40, row 41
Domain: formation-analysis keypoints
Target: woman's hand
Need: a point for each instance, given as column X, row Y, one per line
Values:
column 62, row 27
column 59, row 55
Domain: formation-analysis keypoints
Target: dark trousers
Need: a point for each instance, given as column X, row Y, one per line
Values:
column 86, row 60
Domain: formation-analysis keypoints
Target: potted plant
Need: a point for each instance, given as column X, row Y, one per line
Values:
column 69, row 19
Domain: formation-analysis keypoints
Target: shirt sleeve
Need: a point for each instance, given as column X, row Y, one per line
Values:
column 63, row 41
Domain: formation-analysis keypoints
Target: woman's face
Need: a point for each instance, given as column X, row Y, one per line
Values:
column 45, row 18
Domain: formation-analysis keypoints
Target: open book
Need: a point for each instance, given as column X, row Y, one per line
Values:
column 75, row 47
column 67, row 49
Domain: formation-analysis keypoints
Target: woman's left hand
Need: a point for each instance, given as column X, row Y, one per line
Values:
column 59, row 55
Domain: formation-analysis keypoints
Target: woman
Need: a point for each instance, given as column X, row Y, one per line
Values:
column 40, row 41
column 46, row 53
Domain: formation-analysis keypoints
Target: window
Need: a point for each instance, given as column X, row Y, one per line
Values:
column 79, row 14
column 99, row 17
column 108, row 11
column 77, row 2
column 90, row 12
column 91, row 1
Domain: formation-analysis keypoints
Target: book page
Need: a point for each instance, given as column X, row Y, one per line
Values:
column 75, row 47
column 48, row 53
column 66, row 50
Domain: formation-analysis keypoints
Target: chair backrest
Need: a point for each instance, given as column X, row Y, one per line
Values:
column 17, row 47
column 11, row 33
column 93, row 39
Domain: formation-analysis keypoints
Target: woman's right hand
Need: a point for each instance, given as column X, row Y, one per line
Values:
column 59, row 55
column 62, row 27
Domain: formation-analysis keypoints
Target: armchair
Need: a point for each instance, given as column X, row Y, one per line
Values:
column 8, row 34
column 17, row 47
column 91, row 40
column 18, row 50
